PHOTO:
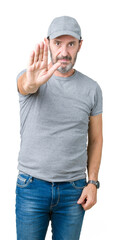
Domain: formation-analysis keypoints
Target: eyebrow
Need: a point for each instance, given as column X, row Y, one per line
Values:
column 61, row 41
column 57, row 40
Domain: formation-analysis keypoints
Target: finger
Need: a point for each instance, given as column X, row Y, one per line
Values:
column 41, row 51
column 46, row 40
column 82, row 199
column 31, row 58
column 53, row 69
column 37, row 52
column 45, row 55
column 50, row 65
column 87, row 205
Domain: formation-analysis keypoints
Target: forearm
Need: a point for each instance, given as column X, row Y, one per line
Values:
column 94, row 151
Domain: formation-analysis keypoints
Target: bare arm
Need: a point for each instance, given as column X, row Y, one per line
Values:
column 38, row 70
column 95, row 140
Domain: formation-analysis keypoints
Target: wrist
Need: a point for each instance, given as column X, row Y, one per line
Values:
column 30, row 88
column 95, row 183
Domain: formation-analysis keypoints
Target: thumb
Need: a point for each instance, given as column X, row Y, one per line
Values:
column 50, row 65
column 52, row 69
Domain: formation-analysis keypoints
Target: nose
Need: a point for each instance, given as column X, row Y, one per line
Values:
column 64, row 51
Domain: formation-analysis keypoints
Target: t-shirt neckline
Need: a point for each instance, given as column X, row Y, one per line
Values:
column 65, row 78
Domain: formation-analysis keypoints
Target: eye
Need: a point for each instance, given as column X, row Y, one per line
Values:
column 71, row 44
column 57, row 43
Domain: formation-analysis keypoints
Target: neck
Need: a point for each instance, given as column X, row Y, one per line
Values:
column 68, row 74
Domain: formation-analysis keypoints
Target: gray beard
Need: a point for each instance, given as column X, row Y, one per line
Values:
column 65, row 69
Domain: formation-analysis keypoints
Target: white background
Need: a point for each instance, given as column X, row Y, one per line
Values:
column 23, row 24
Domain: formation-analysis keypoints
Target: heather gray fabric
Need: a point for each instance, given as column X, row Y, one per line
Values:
column 64, row 25
column 54, row 126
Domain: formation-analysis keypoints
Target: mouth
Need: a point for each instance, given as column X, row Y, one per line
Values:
column 64, row 61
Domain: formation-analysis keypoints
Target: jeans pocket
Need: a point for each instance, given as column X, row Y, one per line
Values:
column 23, row 180
column 79, row 184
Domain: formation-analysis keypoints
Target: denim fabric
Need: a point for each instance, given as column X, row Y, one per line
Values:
column 39, row 201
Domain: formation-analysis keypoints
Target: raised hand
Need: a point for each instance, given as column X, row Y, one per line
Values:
column 38, row 70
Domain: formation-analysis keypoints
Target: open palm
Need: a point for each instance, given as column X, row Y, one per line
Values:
column 38, row 70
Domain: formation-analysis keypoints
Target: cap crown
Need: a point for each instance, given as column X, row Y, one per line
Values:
column 64, row 25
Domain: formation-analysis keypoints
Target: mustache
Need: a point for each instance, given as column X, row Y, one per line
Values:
column 64, row 57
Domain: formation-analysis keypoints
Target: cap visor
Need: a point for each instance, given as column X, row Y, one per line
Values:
column 64, row 32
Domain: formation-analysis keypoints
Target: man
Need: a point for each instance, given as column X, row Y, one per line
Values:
column 59, row 108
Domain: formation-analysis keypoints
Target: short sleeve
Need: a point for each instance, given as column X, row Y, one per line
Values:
column 98, row 101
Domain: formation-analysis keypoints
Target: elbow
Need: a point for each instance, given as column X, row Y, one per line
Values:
column 97, row 140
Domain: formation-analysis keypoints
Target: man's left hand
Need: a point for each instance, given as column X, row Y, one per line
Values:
column 88, row 197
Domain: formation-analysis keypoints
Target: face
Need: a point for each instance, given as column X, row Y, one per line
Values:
column 64, row 49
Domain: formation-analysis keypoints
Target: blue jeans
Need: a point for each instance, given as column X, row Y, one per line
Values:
column 39, row 201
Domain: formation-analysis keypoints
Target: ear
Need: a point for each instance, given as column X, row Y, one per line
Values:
column 47, row 41
column 80, row 44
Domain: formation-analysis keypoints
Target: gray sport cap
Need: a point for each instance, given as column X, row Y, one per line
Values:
column 64, row 25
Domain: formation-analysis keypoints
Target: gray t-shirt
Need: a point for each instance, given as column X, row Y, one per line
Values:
column 54, row 127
